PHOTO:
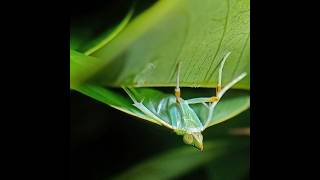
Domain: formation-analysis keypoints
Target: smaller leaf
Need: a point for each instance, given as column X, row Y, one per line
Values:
column 180, row 161
column 232, row 166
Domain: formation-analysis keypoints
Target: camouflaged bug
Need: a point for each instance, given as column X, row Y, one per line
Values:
column 176, row 113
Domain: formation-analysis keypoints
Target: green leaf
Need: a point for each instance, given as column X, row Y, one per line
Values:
column 182, row 160
column 197, row 33
column 179, row 161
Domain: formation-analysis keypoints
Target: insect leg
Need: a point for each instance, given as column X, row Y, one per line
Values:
column 230, row 84
column 145, row 110
column 219, row 90
column 177, row 91
column 151, row 115
column 127, row 90
column 219, row 86
column 220, row 94
column 203, row 100
column 198, row 100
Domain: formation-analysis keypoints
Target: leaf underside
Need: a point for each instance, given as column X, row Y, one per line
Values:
column 197, row 34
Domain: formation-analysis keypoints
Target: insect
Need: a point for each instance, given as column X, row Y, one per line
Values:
column 178, row 114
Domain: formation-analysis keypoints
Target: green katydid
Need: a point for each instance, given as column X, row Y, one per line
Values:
column 177, row 114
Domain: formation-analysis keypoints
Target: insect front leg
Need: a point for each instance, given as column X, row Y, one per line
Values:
column 147, row 112
column 154, row 118
column 221, row 91
column 177, row 91
column 219, row 86
column 199, row 100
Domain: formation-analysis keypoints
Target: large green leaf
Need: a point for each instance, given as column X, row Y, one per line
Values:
column 197, row 33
